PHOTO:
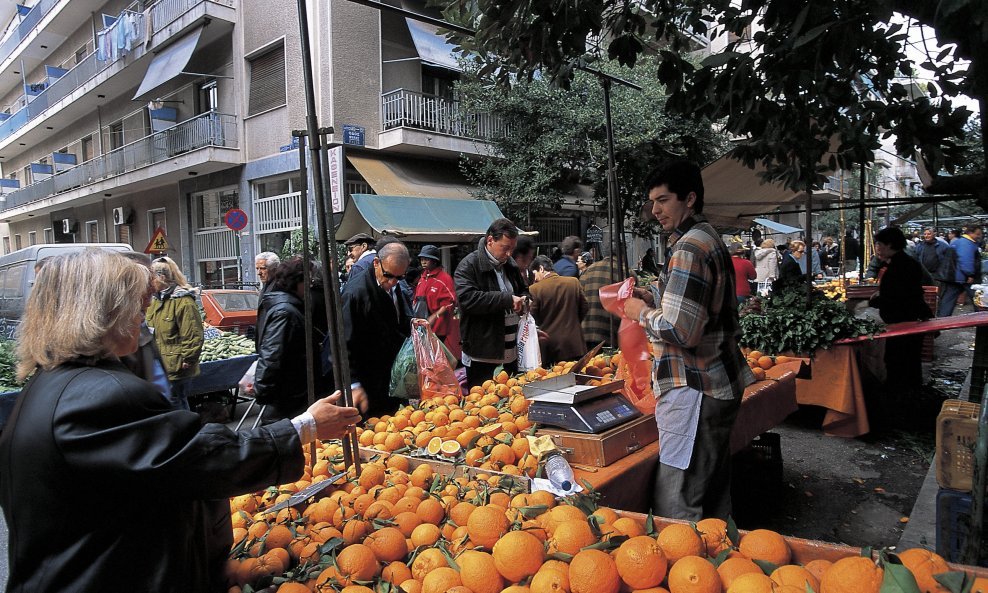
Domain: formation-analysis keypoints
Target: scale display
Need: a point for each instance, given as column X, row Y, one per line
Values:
column 593, row 416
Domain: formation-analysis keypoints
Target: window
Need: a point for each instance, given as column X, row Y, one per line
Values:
column 87, row 148
column 32, row 238
column 17, row 241
column 267, row 81
column 92, row 231
column 116, row 135
column 49, row 235
column 211, row 206
column 123, row 233
column 6, row 244
column 207, row 97
column 82, row 53
column 156, row 220
column 26, row 171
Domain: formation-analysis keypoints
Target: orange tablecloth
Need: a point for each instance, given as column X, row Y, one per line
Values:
column 627, row 483
column 836, row 386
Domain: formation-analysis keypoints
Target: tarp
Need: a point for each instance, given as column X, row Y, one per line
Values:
column 411, row 177
column 169, row 63
column 433, row 49
column 734, row 194
column 777, row 226
column 426, row 220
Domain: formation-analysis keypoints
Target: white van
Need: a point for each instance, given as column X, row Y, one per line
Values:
column 17, row 277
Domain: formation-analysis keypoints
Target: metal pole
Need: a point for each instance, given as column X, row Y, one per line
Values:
column 861, row 225
column 310, row 375
column 341, row 365
column 617, row 227
column 808, row 254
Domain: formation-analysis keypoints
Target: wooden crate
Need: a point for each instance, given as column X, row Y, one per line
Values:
column 600, row 450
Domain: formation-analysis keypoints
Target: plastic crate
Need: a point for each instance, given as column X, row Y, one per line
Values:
column 957, row 431
column 953, row 523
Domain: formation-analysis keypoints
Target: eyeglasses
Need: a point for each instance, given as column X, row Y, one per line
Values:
column 388, row 274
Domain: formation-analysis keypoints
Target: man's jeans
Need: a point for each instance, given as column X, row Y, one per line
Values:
column 948, row 298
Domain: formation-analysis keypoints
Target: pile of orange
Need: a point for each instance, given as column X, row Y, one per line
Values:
column 408, row 530
column 759, row 363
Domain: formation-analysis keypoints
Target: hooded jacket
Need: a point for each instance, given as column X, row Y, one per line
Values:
column 174, row 318
column 766, row 263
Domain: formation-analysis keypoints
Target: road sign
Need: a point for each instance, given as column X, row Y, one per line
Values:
column 158, row 242
column 595, row 234
column 353, row 135
column 235, row 219
column 336, row 167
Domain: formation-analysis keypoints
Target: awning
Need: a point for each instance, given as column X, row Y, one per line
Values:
column 432, row 220
column 734, row 194
column 432, row 47
column 411, row 177
column 168, row 63
column 777, row 226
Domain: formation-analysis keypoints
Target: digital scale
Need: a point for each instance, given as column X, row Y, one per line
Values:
column 567, row 402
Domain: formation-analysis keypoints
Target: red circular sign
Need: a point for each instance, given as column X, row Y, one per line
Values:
column 236, row 219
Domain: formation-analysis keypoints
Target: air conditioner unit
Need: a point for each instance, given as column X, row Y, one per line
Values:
column 121, row 215
column 68, row 226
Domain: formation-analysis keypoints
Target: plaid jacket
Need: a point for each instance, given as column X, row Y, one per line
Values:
column 596, row 325
column 695, row 329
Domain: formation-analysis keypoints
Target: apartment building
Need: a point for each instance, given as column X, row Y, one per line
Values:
column 120, row 118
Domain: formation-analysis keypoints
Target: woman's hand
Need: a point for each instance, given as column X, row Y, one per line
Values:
column 332, row 421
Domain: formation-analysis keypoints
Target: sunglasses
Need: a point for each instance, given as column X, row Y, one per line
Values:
column 388, row 274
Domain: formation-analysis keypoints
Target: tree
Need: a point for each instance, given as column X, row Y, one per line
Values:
column 815, row 88
column 557, row 139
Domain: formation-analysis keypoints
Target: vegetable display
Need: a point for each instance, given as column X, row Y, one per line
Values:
column 226, row 345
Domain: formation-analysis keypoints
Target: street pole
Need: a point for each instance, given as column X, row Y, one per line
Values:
column 310, row 374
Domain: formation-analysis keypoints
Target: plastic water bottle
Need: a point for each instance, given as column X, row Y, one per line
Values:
column 558, row 471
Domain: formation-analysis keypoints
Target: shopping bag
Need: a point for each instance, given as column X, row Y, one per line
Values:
column 434, row 365
column 636, row 353
column 404, row 373
column 529, row 353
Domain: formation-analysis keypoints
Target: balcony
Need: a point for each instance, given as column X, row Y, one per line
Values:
column 420, row 120
column 203, row 131
column 169, row 18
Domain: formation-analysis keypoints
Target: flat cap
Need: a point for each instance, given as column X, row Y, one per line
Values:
column 360, row 238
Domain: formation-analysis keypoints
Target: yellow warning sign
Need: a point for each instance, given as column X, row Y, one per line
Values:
column 158, row 242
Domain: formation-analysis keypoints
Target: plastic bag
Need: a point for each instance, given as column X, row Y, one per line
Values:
column 529, row 353
column 404, row 373
column 434, row 365
column 246, row 383
column 636, row 352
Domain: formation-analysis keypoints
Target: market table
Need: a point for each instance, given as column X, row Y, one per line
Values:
column 836, row 379
column 765, row 405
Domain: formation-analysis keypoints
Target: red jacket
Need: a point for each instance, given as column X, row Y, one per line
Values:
column 743, row 272
column 437, row 288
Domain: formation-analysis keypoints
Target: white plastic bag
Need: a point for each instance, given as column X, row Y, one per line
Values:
column 529, row 354
column 246, row 383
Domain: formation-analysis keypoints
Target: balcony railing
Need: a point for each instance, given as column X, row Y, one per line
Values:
column 411, row 109
column 215, row 244
column 165, row 12
column 208, row 129
column 25, row 26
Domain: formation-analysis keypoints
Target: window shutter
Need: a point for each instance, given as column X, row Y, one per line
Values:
column 267, row 82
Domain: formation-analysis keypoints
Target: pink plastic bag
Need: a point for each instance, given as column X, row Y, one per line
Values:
column 635, row 349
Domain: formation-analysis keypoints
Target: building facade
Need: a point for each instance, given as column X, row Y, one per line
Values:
column 119, row 119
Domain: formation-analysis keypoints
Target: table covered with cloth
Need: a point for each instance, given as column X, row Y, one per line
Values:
column 627, row 483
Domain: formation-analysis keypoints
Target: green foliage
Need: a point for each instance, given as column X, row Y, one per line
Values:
column 293, row 247
column 784, row 322
column 815, row 86
column 557, row 139
column 8, row 366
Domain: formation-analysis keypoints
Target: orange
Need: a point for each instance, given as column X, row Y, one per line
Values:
column 766, row 362
column 542, row 498
column 516, row 589
column 795, row 576
column 924, row 564
column 630, row 527
column 692, row 574
column 640, row 562
column 479, row 572
column 980, row 585
column 561, row 514
column 371, row 475
column 440, row 579
column 278, row 536
column 431, row 510
column 752, row 582
column 388, row 544
column 518, row 555
column 855, row 574
column 396, row 573
column 571, row 536
column 486, row 525
column 411, row 586
column 357, row 563
column 714, row 533
column 460, row 513
column 765, row 544
column 550, row 581
column 426, row 534
column 732, row 568
column 593, row 571
column 428, row 560
column 759, row 373
column 292, row 587
column 820, row 566
column 355, row 589
column 678, row 540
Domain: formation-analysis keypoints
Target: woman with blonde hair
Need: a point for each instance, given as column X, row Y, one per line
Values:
column 86, row 433
column 177, row 325
column 766, row 261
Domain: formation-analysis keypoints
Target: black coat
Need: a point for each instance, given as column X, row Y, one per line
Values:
column 789, row 268
column 900, row 291
column 374, row 332
column 105, row 487
column 483, row 304
column 280, row 378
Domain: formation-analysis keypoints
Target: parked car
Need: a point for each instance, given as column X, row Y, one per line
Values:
column 17, row 277
column 231, row 310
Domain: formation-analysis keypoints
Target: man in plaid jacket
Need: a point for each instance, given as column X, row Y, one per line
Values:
column 699, row 373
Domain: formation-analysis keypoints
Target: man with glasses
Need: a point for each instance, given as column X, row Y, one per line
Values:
column 376, row 323
column 790, row 267
column 360, row 247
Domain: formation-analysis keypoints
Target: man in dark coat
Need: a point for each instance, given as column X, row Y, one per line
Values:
column 491, row 292
column 558, row 306
column 376, row 322
column 361, row 248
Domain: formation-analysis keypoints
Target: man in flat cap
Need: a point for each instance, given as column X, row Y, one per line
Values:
column 360, row 247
